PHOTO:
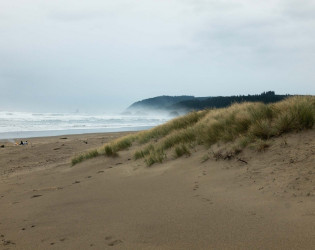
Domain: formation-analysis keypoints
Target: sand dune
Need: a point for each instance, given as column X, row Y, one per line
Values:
column 257, row 200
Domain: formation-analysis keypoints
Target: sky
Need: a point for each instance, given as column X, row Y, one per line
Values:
column 101, row 56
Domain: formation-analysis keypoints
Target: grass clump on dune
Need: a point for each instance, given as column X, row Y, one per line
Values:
column 112, row 149
column 181, row 150
column 91, row 154
column 241, row 124
column 144, row 152
column 155, row 156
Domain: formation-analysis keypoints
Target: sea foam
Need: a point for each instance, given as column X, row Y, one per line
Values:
column 26, row 124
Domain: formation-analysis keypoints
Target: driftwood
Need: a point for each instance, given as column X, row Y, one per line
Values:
column 239, row 159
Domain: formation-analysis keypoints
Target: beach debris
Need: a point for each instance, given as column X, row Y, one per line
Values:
column 64, row 138
column 241, row 160
column 2, row 146
column 23, row 143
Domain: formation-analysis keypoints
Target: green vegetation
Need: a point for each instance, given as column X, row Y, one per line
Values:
column 181, row 150
column 185, row 103
column 242, row 124
column 155, row 156
column 176, row 124
column 108, row 150
column 159, row 102
column 225, row 101
column 91, row 154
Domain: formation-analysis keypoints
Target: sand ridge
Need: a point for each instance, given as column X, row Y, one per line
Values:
column 266, row 201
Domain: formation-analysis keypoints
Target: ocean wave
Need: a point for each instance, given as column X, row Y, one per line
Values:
column 26, row 121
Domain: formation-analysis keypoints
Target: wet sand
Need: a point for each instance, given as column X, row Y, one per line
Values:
column 258, row 200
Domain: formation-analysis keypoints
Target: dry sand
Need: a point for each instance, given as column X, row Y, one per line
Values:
column 259, row 200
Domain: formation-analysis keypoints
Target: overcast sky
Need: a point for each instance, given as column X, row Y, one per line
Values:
column 101, row 55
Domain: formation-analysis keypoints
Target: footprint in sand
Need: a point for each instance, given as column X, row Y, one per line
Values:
column 196, row 186
column 76, row 182
column 7, row 242
column 36, row 195
column 47, row 189
column 112, row 243
column 101, row 171
column 207, row 200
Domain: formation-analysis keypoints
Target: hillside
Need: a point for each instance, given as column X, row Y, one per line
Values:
column 225, row 101
column 158, row 103
column 184, row 104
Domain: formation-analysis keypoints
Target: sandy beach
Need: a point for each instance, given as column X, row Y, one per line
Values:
column 258, row 200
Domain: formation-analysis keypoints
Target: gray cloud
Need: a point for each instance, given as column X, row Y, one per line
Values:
column 107, row 54
column 299, row 9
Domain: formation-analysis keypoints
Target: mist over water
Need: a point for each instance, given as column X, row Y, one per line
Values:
column 27, row 124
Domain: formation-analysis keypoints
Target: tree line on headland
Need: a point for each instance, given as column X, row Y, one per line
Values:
column 189, row 103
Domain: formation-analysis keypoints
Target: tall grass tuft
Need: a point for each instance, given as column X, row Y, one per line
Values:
column 155, row 156
column 91, row 154
column 109, row 151
column 296, row 113
column 181, row 150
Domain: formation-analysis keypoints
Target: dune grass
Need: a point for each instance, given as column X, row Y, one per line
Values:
column 90, row 154
column 242, row 124
column 181, row 150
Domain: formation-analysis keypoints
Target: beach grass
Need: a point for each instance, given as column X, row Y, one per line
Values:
column 241, row 123
column 90, row 154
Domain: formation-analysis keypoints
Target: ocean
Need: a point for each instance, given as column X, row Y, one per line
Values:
column 15, row 125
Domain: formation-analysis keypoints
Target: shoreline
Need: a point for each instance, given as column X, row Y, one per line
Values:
column 48, row 133
column 48, row 151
